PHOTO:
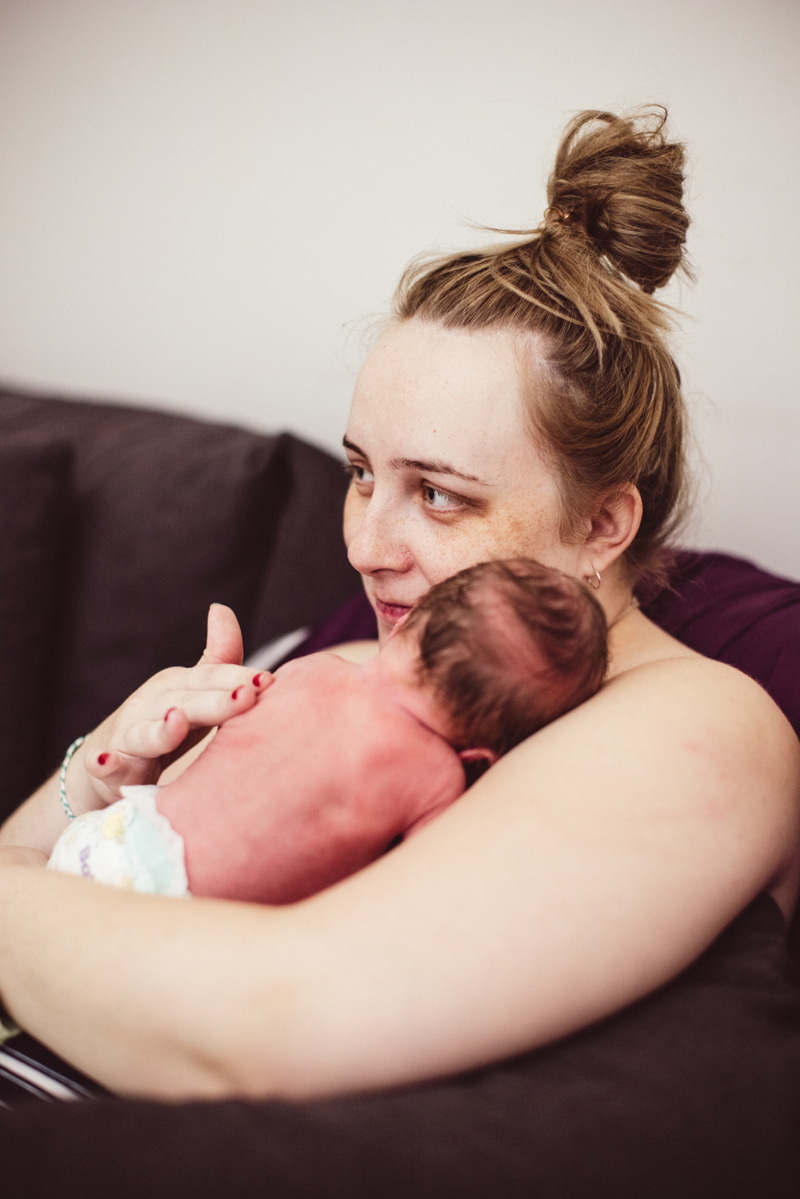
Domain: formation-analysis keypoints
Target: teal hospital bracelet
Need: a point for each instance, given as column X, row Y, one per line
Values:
column 62, row 776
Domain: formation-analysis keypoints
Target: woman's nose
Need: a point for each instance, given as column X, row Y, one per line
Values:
column 375, row 540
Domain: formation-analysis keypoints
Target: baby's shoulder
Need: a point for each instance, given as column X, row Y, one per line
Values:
column 321, row 674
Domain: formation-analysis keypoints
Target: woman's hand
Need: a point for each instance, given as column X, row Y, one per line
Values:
column 154, row 727
column 172, row 711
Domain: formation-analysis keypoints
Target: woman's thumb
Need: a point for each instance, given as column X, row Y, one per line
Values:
column 223, row 638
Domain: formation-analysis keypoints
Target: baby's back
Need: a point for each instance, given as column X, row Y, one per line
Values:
column 308, row 786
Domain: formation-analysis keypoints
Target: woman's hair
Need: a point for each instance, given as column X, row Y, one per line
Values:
column 603, row 391
column 507, row 647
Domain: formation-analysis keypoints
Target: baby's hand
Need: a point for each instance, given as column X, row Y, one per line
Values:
column 172, row 711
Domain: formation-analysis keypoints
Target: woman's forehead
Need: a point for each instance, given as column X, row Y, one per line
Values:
column 431, row 393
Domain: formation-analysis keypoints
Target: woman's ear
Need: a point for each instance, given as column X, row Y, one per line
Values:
column 614, row 524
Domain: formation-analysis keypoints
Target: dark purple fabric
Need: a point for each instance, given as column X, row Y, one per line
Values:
column 733, row 611
column 353, row 621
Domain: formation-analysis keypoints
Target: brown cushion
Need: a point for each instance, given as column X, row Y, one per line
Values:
column 308, row 575
column 167, row 515
column 34, row 488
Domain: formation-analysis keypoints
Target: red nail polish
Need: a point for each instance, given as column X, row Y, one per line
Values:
column 102, row 759
column 167, row 716
column 235, row 693
column 258, row 678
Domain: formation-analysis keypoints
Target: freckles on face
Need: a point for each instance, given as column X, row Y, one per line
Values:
column 445, row 471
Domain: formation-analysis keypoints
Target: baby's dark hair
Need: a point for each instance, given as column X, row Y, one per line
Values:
column 508, row 646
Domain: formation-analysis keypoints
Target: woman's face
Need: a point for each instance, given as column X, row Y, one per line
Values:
column 444, row 470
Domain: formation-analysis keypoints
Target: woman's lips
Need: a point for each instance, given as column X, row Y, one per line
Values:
column 391, row 612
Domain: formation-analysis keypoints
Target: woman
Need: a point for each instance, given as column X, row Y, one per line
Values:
column 522, row 402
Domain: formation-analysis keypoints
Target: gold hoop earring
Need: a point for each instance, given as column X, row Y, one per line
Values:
column 595, row 580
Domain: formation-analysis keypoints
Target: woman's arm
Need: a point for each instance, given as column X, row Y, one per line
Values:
column 148, row 732
column 565, row 884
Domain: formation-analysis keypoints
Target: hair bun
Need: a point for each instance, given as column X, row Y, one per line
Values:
column 619, row 182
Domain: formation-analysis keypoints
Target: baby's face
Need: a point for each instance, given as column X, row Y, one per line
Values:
column 396, row 672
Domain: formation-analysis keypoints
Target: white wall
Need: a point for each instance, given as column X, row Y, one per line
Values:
column 202, row 200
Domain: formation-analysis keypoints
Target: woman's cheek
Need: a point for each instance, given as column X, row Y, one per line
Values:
column 353, row 503
column 467, row 542
column 451, row 548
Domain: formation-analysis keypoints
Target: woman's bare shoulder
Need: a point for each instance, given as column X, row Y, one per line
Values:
column 685, row 687
column 685, row 714
column 689, row 747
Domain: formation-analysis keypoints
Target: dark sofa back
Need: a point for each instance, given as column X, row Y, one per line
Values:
column 118, row 527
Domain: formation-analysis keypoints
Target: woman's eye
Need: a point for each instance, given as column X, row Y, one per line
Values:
column 440, row 501
column 359, row 474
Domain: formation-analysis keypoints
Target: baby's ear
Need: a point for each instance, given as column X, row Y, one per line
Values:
column 476, row 762
column 478, row 755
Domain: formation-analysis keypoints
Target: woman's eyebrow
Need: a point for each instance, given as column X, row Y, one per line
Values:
column 433, row 466
column 351, row 445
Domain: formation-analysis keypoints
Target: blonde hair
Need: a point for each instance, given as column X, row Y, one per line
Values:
column 606, row 400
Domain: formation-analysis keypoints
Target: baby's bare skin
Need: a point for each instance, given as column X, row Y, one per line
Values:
column 316, row 780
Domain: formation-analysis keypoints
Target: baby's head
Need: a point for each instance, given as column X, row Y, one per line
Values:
column 506, row 647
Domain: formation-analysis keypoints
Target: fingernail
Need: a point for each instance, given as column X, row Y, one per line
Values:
column 258, row 679
column 235, row 693
column 102, row 759
column 169, row 713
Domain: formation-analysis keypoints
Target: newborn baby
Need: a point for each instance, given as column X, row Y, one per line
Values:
column 336, row 761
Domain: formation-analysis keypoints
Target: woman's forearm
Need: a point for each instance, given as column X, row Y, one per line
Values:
column 42, row 818
column 553, row 893
column 139, row 992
